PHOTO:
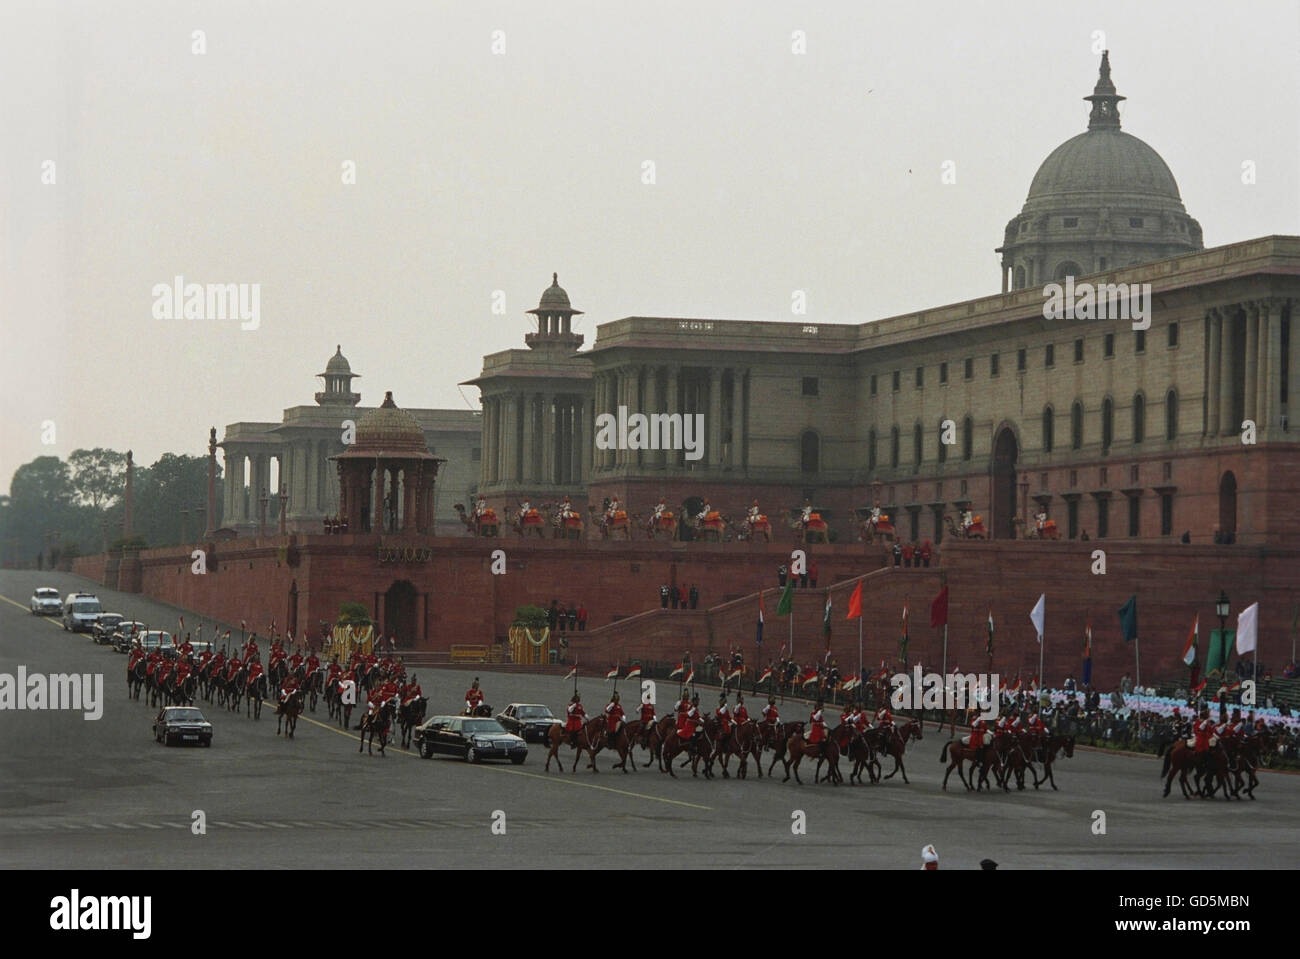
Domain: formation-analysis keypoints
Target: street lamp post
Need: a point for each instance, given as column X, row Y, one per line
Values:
column 284, row 506
column 261, row 516
column 1222, row 608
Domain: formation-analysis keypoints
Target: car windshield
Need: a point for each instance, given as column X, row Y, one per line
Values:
column 482, row 726
column 110, row 619
column 185, row 715
column 87, row 606
column 155, row 639
column 47, row 593
column 533, row 712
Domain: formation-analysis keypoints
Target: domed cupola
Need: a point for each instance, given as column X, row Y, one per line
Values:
column 338, row 377
column 554, row 321
column 1100, row 201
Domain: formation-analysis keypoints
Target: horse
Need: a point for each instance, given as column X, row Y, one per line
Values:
column 182, row 694
column 743, row 741
column 896, row 745
column 777, row 738
column 255, row 690
column 287, row 713
column 530, row 521
column 652, row 739
column 698, row 747
column 1014, row 759
column 482, row 709
column 961, row 752
column 135, row 678
column 859, row 748
column 1050, row 748
column 666, row 523
column 622, row 741
column 580, row 740
column 610, row 524
column 313, row 686
column 826, row 750
column 409, row 715
column 1182, row 758
column 376, row 721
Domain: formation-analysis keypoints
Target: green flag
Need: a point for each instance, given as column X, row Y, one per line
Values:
column 1128, row 619
column 784, row 607
column 1221, row 643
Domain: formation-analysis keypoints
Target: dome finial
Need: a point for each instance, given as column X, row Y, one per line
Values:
column 1104, row 99
column 555, row 278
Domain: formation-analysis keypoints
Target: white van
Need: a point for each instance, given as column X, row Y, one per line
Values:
column 80, row 610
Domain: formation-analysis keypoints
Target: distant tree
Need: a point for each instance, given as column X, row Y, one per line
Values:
column 354, row 614
column 98, row 475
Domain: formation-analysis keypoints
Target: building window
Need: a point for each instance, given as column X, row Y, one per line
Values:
column 1134, row 515
column 1070, row 222
column 1166, row 514
column 873, row 384
column 993, row 365
column 1020, row 360
column 1140, row 344
column 970, row 368
column 967, row 439
column 893, row 447
column 1133, row 473
column 918, row 444
column 1049, row 355
column 1173, row 335
column 1102, row 473
column 476, row 454
column 1107, row 423
column 1074, row 479
column 943, row 448
column 810, row 386
column 898, row 376
column 1078, row 351
column 1108, row 346
column 1171, row 415
column 920, row 377
column 1103, row 517
column 1101, row 263
column 871, row 450
column 1048, row 426
column 1139, row 418
column 1072, row 518
column 1135, row 222
column 1076, row 426
column 916, row 522
column 809, row 452
column 943, row 374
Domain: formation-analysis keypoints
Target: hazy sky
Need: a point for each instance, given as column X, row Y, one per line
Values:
column 479, row 171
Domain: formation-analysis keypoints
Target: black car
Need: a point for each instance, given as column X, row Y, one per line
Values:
column 182, row 724
column 104, row 628
column 531, row 721
column 125, row 634
column 471, row 737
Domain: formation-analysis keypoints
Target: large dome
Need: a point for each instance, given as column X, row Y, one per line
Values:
column 389, row 429
column 554, row 297
column 1104, row 164
column 338, row 363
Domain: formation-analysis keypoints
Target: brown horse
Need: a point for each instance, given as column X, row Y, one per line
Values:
column 896, row 744
column 699, row 746
column 581, row 740
column 858, row 747
column 1054, row 745
column 961, row 753
column 797, row 747
column 288, row 712
column 665, row 524
column 376, row 722
column 777, row 739
column 622, row 741
column 652, row 739
column 1181, row 759
column 1248, row 755
column 741, row 740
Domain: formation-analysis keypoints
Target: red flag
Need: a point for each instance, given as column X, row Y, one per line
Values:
column 681, row 668
column 939, row 609
column 855, row 603
column 634, row 672
column 767, row 674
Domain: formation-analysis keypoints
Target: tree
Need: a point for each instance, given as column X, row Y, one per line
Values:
column 41, row 501
column 354, row 614
column 164, row 489
column 98, row 475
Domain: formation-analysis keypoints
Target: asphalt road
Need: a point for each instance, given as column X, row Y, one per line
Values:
column 101, row 794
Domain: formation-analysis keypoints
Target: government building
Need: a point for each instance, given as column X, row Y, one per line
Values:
column 1114, row 432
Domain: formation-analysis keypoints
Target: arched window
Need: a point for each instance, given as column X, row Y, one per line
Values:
column 1068, row 268
column 1107, row 423
column 1171, row 416
column 1049, row 429
column 918, row 439
column 1076, row 426
column 967, row 438
column 809, row 452
column 1139, row 418
column 871, row 449
column 1021, row 281
column 893, row 447
column 943, row 447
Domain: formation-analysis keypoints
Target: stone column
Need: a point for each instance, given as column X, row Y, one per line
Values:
column 738, row 418
column 619, row 398
column 1250, row 363
column 550, row 438
column 671, row 406
column 1271, row 340
column 714, row 435
column 1214, row 345
column 1227, row 366
column 509, row 448
column 585, row 432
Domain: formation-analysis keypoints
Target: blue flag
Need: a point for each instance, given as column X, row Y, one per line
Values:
column 1128, row 619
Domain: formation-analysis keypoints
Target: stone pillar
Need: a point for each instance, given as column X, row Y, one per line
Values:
column 738, row 418
column 377, row 503
column 1006, row 271
column 1270, row 331
column 1227, row 366
column 1250, row 364
column 673, row 459
column 550, row 438
column 585, row 432
column 1214, row 345
column 509, row 450
column 491, row 410
column 212, row 484
column 128, row 506
column 618, row 399
column 714, row 434
column 1293, row 362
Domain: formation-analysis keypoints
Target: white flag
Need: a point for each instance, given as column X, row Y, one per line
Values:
column 1247, row 627
column 1039, row 612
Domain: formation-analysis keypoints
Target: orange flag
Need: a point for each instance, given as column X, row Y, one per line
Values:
column 855, row 603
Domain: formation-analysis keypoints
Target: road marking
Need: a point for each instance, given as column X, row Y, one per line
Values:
column 608, row 789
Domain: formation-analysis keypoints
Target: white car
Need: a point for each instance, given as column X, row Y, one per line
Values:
column 45, row 602
column 80, row 610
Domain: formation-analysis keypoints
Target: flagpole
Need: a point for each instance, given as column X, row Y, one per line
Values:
column 1137, row 653
column 945, row 647
column 859, row 648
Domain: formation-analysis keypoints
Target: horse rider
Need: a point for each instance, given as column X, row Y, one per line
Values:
column 689, row 721
column 723, row 715
column 524, row 507
column 805, row 516
column 312, row 662
column 1205, row 740
column 817, row 726
column 613, row 719
column 480, row 508
column 612, row 511
column 861, row 720
column 288, row 689
column 978, row 735
column 232, row 668
column 186, row 648
column 575, row 718
column 848, row 713
column 660, row 508
column 684, row 704
column 250, row 647
column 1041, row 521
column 741, row 714
column 411, row 691
column 705, row 510
column 566, row 509
column 647, row 716
column 387, row 691
column 473, row 697
column 875, row 514
column 967, row 520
